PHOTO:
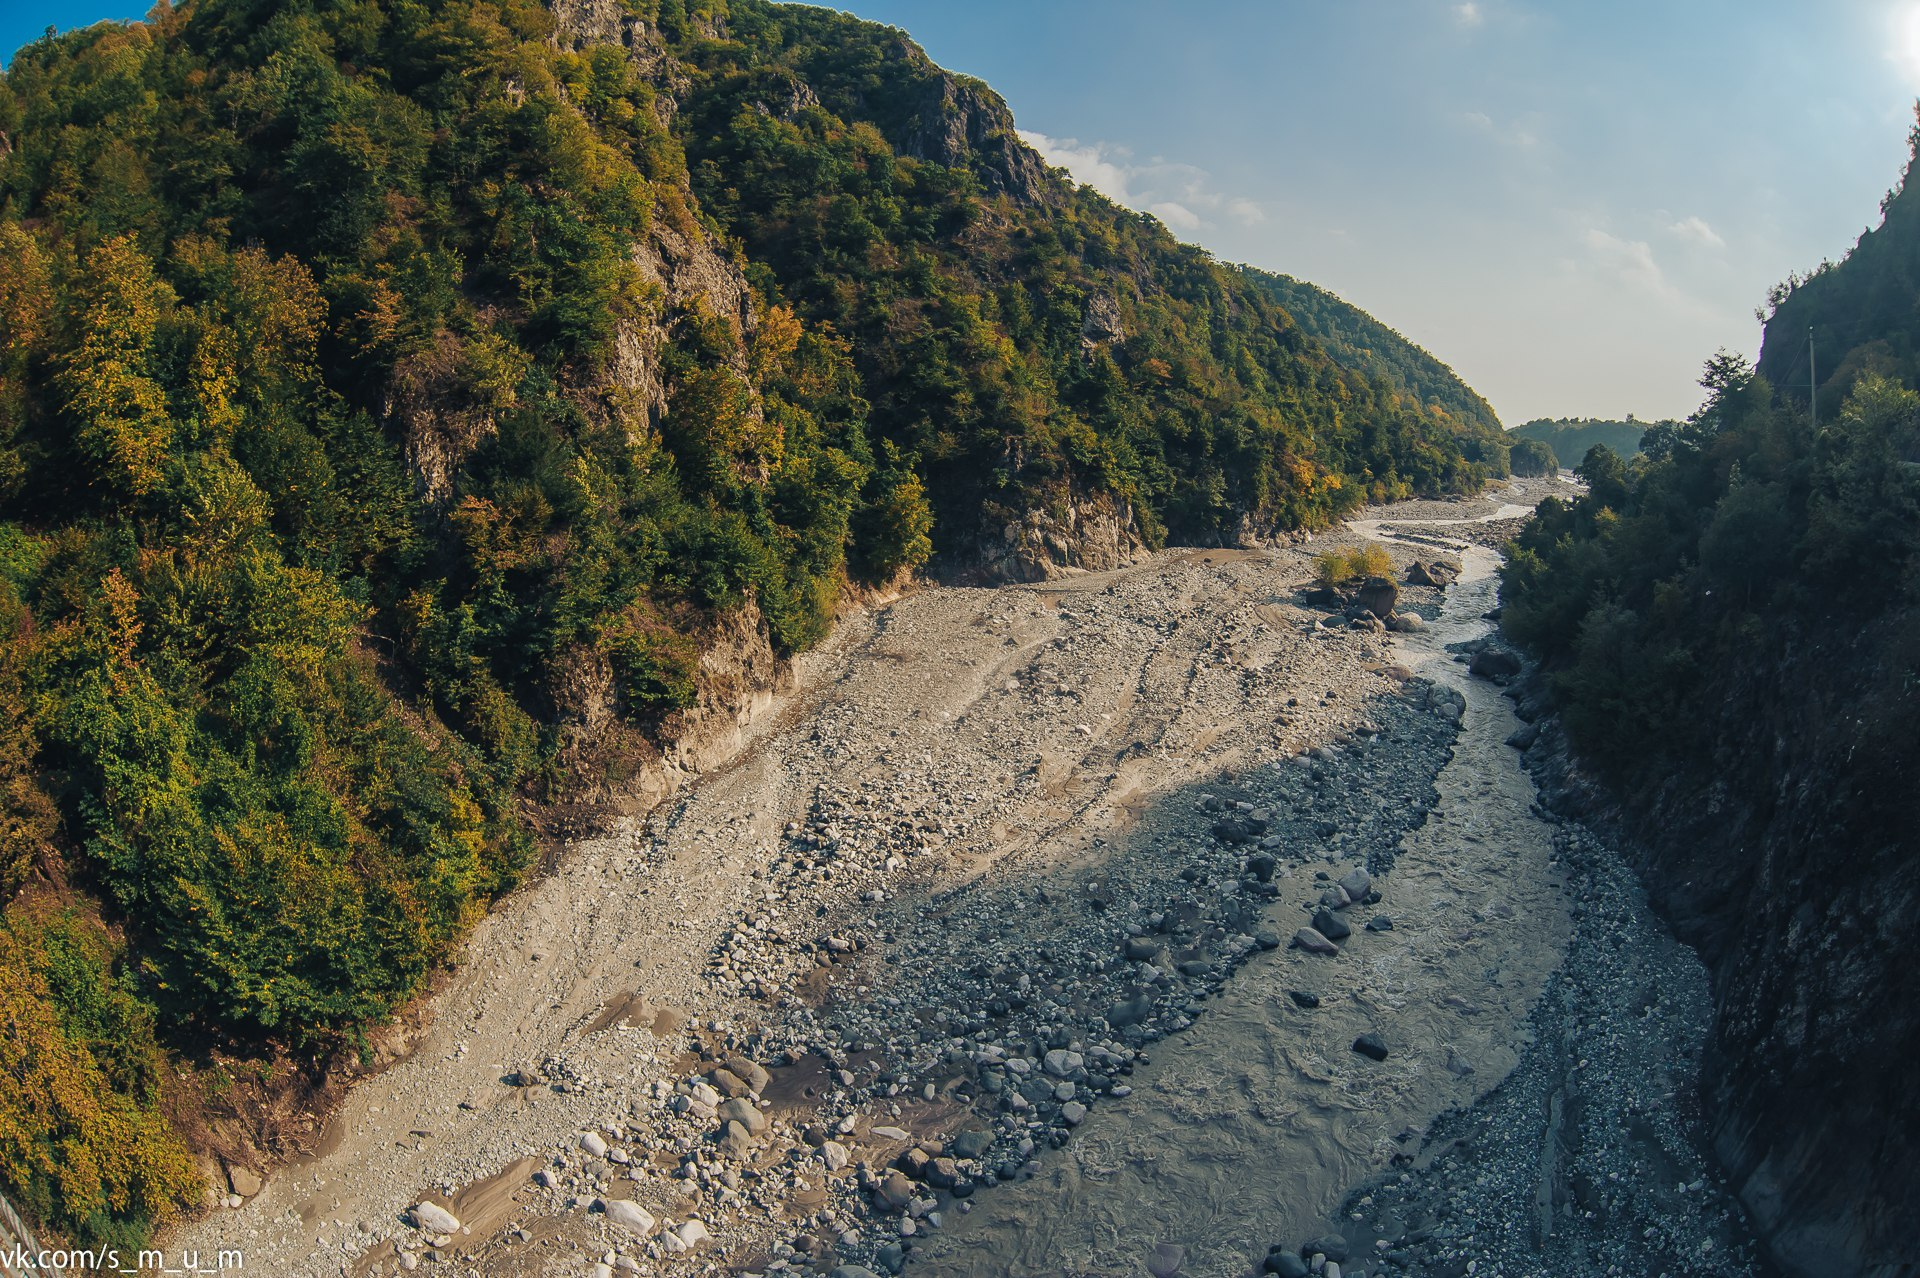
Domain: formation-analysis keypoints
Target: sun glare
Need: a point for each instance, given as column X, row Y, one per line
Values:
column 1904, row 46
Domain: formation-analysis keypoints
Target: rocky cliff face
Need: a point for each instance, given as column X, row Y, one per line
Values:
column 961, row 121
column 1787, row 859
column 1079, row 534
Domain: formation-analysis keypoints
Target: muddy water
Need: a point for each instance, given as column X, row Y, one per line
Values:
column 1247, row 1129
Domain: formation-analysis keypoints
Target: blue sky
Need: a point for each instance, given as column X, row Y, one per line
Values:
column 1573, row 204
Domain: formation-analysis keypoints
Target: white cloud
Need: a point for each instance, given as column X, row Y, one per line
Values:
column 1176, row 215
column 1630, row 260
column 1697, row 230
column 1181, row 195
column 1468, row 15
column 1521, row 134
column 1245, row 211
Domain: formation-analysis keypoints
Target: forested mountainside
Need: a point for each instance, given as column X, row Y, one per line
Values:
column 1570, row 438
column 398, row 399
column 1860, row 314
column 1358, row 341
column 1731, row 626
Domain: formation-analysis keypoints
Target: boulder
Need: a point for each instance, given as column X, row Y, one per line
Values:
column 743, row 1112
column 1378, row 596
column 630, row 1216
column 755, row 1077
column 893, row 1192
column 1331, row 925
column 1356, row 883
column 435, row 1219
column 244, row 1180
column 728, row 1083
column 1432, row 572
column 1131, row 1012
column 735, row 1142
column 1407, row 623
column 1371, row 1046
column 1496, row 664
column 972, row 1144
column 835, row 1155
column 1285, row 1263
column 1332, row 1246
column 1313, row 942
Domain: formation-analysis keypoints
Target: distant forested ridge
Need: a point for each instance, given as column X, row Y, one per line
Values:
column 1571, row 437
column 1358, row 341
column 397, row 397
column 1730, row 624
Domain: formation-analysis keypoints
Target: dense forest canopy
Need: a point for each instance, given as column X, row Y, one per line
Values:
column 376, row 374
column 1358, row 341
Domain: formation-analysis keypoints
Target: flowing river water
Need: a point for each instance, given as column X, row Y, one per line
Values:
column 1251, row 1126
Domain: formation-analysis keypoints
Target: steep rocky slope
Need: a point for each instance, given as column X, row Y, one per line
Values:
column 1729, row 631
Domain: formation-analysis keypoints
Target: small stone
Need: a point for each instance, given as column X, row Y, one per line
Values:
column 1370, row 1045
column 1060, row 1062
column 1303, row 999
column 692, row 1233
column 1379, row 923
column 1073, row 1113
column 1165, row 1259
column 1267, row 939
column 1131, row 1012
column 593, row 1144
column 1356, row 883
column 889, row 1133
column 835, row 1155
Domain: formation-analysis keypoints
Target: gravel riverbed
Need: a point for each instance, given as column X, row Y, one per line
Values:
column 1020, row 890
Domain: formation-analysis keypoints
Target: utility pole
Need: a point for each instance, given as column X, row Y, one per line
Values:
column 1813, row 383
